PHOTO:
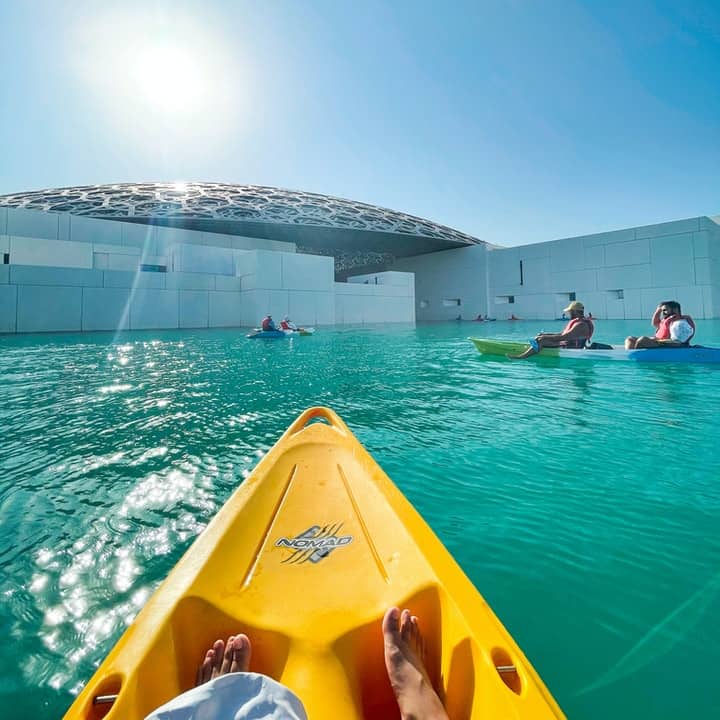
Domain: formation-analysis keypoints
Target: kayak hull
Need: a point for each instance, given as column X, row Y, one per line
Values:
column 276, row 334
column 305, row 558
column 696, row 354
column 267, row 334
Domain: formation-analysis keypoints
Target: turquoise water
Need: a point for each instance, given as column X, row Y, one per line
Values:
column 583, row 502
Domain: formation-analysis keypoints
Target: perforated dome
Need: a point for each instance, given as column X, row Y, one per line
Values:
column 309, row 219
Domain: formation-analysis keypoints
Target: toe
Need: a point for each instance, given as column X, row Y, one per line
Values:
column 218, row 656
column 391, row 621
column 204, row 672
column 418, row 641
column 405, row 625
column 241, row 654
column 227, row 656
column 414, row 630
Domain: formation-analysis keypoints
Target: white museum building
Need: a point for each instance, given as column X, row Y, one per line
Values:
column 203, row 255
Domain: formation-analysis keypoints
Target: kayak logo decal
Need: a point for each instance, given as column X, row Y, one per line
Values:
column 315, row 544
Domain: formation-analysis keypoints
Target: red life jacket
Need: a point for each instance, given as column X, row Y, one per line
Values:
column 266, row 324
column 578, row 342
column 284, row 325
column 663, row 331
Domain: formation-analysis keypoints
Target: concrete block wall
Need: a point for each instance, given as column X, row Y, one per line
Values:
column 155, row 240
column 708, row 247
column 620, row 275
column 301, row 286
column 43, row 298
column 53, row 299
column 200, row 258
column 376, row 298
column 448, row 284
column 217, row 280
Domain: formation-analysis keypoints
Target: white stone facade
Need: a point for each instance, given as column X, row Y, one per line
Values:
column 65, row 273
column 617, row 275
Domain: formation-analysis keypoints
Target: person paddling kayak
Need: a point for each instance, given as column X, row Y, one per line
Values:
column 574, row 335
column 268, row 323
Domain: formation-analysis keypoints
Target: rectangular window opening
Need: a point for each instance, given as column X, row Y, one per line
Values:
column 451, row 302
column 6, row 258
column 144, row 267
column 617, row 294
column 521, row 273
column 504, row 299
column 424, row 303
column 571, row 297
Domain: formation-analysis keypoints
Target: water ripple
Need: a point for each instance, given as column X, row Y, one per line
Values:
column 583, row 502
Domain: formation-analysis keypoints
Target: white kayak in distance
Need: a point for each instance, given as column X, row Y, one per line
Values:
column 692, row 354
column 278, row 333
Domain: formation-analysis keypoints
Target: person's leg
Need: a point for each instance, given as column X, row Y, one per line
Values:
column 223, row 658
column 540, row 342
column 525, row 354
column 405, row 667
column 226, row 689
column 630, row 342
column 651, row 342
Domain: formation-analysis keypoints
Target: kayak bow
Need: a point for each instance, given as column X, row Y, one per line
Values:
column 305, row 557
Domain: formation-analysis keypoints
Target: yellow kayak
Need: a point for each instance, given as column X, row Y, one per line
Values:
column 305, row 558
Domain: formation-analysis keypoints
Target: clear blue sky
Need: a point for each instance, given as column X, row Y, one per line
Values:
column 516, row 121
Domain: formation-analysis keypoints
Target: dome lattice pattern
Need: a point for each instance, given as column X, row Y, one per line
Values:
column 217, row 201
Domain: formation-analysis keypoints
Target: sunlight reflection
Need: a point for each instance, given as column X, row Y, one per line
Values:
column 38, row 583
column 118, row 387
column 125, row 574
column 148, row 454
column 54, row 616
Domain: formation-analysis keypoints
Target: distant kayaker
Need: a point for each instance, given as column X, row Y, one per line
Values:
column 230, row 690
column 672, row 329
column 574, row 335
column 287, row 324
column 267, row 323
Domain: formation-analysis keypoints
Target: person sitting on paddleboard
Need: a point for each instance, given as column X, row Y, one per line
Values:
column 574, row 335
column 225, row 687
column 267, row 323
column 673, row 329
column 287, row 324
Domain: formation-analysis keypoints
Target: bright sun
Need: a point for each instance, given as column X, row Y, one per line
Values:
column 169, row 80
column 160, row 78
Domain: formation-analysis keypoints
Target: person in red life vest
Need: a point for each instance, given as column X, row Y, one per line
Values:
column 287, row 324
column 574, row 335
column 267, row 323
column 672, row 329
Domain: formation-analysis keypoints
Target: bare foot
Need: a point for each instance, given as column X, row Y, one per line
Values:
column 403, row 658
column 223, row 658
